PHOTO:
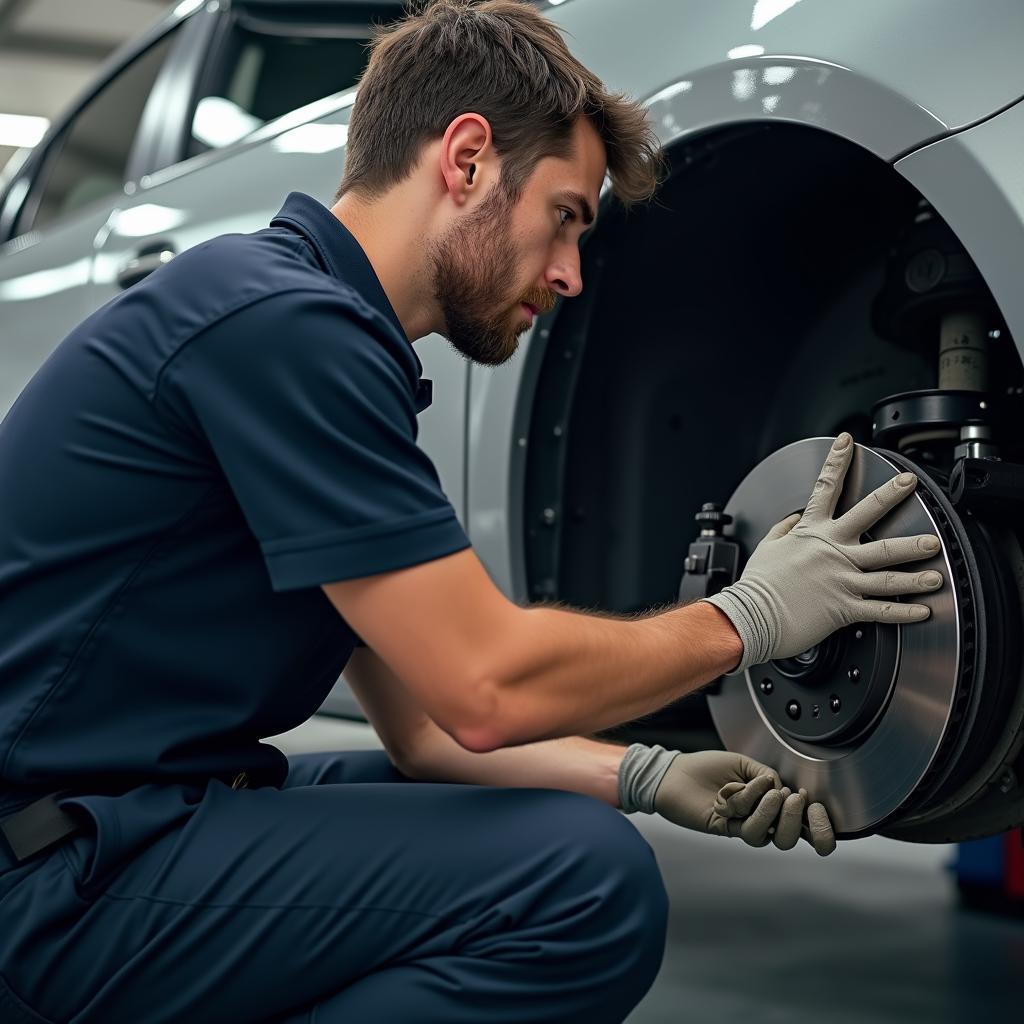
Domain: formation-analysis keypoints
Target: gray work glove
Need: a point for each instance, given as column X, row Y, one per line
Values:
column 721, row 793
column 811, row 575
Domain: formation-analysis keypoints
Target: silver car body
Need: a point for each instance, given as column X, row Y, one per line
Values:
column 930, row 87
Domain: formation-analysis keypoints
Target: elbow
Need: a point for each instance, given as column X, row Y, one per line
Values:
column 480, row 729
column 477, row 740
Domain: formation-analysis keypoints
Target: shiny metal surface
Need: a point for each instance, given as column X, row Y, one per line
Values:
column 866, row 782
column 796, row 90
column 940, row 56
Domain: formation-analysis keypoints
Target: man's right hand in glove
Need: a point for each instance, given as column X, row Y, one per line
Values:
column 811, row 575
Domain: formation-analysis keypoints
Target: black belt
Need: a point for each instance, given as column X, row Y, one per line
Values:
column 43, row 823
column 38, row 827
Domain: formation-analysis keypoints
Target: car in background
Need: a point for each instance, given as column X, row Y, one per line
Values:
column 836, row 247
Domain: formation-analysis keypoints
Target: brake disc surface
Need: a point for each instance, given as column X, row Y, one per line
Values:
column 858, row 720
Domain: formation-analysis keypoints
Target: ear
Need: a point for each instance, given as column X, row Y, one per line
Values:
column 467, row 153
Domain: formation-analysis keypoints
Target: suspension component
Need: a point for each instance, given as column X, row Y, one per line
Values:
column 712, row 561
column 988, row 487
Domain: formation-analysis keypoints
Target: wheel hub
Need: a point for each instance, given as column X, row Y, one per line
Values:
column 834, row 692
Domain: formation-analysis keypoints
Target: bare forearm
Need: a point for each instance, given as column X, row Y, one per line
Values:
column 567, row 672
column 572, row 763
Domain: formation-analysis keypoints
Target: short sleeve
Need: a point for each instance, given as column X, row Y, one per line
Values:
column 308, row 405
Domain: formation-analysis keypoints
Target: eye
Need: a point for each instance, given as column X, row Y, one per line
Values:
column 565, row 216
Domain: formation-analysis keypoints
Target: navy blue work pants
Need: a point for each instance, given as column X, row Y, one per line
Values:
column 389, row 901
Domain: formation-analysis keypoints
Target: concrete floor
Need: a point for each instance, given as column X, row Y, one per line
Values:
column 872, row 933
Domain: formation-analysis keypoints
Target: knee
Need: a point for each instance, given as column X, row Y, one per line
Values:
column 616, row 861
column 615, row 873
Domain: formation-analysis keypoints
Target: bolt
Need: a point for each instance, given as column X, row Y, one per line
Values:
column 859, row 635
column 793, row 710
column 767, row 686
column 557, row 431
column 807, row 657
column 549, row 516
column 835, row 704
column 854, row 673
column 1007, row 781
column 522, row 442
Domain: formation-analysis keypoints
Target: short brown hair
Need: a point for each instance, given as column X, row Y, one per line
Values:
column 504, row 60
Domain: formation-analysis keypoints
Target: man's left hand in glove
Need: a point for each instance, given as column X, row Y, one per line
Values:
column 721, row 793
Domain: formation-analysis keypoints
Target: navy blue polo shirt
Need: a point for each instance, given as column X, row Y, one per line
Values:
column 177, row 480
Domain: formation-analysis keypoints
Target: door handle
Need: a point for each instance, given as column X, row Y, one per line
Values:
column 142, row 265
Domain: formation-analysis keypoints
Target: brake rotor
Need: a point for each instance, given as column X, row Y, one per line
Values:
column 864, row 719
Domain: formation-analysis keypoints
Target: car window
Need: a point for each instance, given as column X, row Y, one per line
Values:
column 90, row 157
column 266, row 75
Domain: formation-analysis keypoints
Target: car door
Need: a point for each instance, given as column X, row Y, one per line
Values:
column 270, row 66
column 57, row 210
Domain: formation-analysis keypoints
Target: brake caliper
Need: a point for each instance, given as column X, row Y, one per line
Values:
column 712, row 561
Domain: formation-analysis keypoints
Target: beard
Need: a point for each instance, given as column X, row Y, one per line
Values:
column 473, row 264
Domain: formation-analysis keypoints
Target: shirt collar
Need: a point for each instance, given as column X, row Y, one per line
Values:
column 344, row 259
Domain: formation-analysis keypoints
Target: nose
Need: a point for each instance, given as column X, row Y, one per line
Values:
column 564, row 274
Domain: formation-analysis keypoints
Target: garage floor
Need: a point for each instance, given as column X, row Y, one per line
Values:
column 872, row 933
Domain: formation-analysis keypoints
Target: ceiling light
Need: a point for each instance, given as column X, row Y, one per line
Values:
column 219, row 122
column 748, row 50
column 21, row 130
column 768, row 10
column 312, row 138
column 187, row 7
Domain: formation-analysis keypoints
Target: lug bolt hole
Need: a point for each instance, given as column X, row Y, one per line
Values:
column 854, row 673
column 767, row 686
column 835, row 704
column 793, row 709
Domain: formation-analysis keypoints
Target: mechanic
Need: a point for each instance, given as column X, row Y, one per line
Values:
column 214, row 502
